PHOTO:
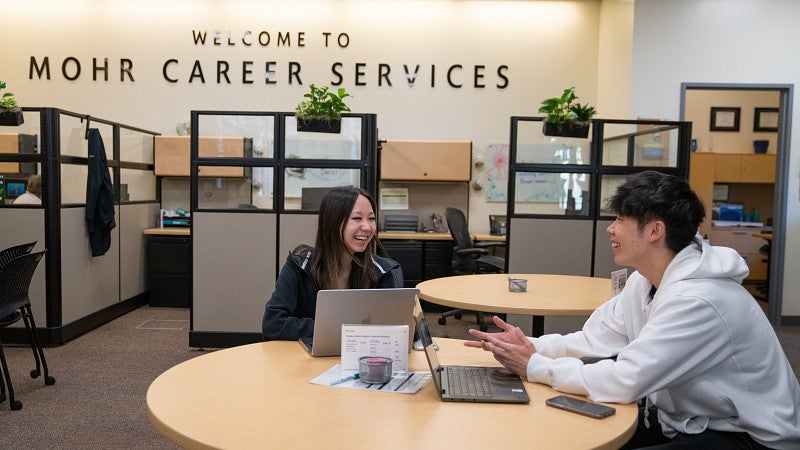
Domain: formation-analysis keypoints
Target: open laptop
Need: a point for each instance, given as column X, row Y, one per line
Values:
column 470, row 383
column 336, row 307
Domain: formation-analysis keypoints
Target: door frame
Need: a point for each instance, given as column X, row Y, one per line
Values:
column 786, row 95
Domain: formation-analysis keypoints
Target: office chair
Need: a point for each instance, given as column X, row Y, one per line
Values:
column 469, row 258
column 10, row 253
column 15, row 280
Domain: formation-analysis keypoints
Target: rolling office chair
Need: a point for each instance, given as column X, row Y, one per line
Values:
column 15, row 280
column 469, row 258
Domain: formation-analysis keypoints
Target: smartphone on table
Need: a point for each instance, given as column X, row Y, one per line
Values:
column 579, row 406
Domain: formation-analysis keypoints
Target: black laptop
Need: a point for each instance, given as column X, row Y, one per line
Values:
column 470, row 383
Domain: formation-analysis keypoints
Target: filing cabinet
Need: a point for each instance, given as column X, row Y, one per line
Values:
column 169, row 277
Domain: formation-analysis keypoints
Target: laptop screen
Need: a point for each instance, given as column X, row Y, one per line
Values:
column 430, row 350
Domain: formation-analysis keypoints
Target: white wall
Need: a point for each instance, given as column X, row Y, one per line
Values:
column 547, row 45
column 697, row 110
column 717, row 41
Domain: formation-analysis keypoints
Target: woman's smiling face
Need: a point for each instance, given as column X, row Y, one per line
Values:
column 360, row 227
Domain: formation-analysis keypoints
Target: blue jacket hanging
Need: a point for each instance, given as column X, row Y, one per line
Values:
column 99, row 196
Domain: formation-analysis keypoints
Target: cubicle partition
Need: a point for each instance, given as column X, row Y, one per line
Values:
column 74, row 291
column 252, row 206
column 558, row 188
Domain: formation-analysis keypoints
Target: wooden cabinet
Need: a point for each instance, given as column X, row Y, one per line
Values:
column 172, row 155
column 701, row 179
column 744, row 168
column 742, row 240
column 426, row 160
column 18, row 143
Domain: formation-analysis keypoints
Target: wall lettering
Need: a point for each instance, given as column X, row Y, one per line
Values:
column 246, row 72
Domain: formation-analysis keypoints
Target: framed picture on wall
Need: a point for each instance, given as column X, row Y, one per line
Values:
column 765, row 119
column 724, row 118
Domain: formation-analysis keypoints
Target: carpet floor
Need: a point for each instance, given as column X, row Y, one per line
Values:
column 98, row 400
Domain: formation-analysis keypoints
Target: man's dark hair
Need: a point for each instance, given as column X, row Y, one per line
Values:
column 653, row 195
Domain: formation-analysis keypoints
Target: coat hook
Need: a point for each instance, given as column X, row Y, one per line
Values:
column 88, row 121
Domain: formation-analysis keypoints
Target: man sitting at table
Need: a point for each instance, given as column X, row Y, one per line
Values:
column 683, row 334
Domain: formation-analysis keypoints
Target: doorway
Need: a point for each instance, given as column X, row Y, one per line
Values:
column 729, row 94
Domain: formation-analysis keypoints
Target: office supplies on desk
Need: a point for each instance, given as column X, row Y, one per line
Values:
column 336, row 307
column 401, row 222
column 404, row 383
column 727, row 211
column 471, row 383
column 354, row 376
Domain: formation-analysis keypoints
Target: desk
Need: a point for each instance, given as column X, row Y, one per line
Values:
column 169, row 231
column 547, row 295
column 259, row 395
column 488, row 237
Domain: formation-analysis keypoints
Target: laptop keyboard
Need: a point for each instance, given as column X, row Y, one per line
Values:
column 469, row 381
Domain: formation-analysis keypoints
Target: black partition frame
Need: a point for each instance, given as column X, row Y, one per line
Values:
column 595, row 168
column 279, row 161
column 367, row 164
column 54, row 332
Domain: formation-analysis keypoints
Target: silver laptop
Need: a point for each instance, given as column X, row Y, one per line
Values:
column 336, row 307
column 470, row 383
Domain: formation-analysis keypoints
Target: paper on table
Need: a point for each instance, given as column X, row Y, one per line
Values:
column 390, row 341
column 407, row 383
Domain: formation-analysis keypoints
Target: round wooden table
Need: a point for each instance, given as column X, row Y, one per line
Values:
column 546, row 295
column 259, row 396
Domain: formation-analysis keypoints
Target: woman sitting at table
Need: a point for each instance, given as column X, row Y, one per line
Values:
column 345, row 256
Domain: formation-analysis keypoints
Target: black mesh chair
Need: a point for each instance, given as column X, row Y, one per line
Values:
column 15, row 280
column 12, row 252
column 469, row 258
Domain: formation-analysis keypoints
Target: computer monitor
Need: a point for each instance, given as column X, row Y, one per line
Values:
column 311, row 197
column 497, row 225
column 15, row 188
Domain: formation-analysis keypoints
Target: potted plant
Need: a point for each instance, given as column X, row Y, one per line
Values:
column 322, row 110
column 566, row 117
column 10, row 112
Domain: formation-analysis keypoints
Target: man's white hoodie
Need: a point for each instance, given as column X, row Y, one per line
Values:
column 701, row 350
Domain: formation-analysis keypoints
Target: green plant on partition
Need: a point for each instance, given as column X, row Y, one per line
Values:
column 7, row 101
column 321, row 103
column 565, row 108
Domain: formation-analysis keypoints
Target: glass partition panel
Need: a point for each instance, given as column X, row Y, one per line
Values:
column 640, row 145
column 263, row 190
column 73, row 183
column 73, row 137
column 135, row 146
column 15, row 181
column 73, row 141
column 304, row 188
column 616, row 143
column 31, row 126
column 608, row 187
column 255, row 134
column 343, row 145
column 656, row 146
column 136, row 185
column 533, row 147
column 552, row 193
column 229, row 192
